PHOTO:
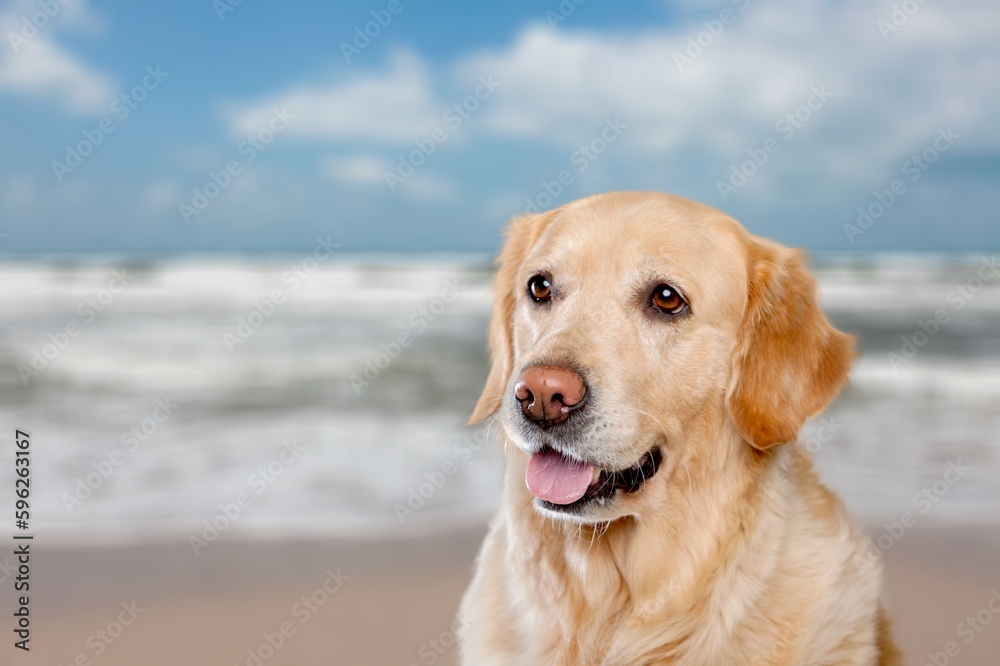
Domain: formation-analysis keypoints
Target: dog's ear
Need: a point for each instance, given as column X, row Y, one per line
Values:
column 790, row 361
column 522, row 234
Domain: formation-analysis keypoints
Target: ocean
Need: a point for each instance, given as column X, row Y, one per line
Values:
column 283, row 396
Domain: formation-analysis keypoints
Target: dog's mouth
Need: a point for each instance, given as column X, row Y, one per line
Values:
column 561, row 483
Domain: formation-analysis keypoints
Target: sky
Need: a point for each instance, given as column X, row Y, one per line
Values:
column 411, row 125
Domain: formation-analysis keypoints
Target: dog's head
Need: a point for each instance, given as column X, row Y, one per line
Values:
column 629, row 326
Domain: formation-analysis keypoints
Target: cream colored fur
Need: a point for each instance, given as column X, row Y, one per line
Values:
column 733, row 553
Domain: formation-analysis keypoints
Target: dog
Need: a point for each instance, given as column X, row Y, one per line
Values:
column 652, row 364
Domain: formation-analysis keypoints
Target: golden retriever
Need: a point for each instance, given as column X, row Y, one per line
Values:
column 652, row 365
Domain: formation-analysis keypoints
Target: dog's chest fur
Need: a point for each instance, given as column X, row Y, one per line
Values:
column 579, row 608
column 546, row 595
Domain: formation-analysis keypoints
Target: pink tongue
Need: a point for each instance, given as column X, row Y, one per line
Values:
column 554, row 477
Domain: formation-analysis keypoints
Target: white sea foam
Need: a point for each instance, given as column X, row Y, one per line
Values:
column 365, row 452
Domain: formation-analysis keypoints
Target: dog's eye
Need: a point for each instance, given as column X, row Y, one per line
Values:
column 666, row 299
column 539, row 289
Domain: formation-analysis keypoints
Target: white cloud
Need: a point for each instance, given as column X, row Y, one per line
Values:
column 20, row 191
column 43, row 69
column 161, row 195
column 429, row 188
column 361, row 169
column 761, row 66
column 33, row 64
column 389, row 105
column 368, row 170
column 30, row 193
column 890, row 94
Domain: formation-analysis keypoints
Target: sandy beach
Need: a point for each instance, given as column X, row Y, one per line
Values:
column 393, row 602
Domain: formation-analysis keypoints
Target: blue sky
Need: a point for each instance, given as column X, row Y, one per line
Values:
column 788, row 115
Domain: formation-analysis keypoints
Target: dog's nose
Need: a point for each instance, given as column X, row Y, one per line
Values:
column 548, row 394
